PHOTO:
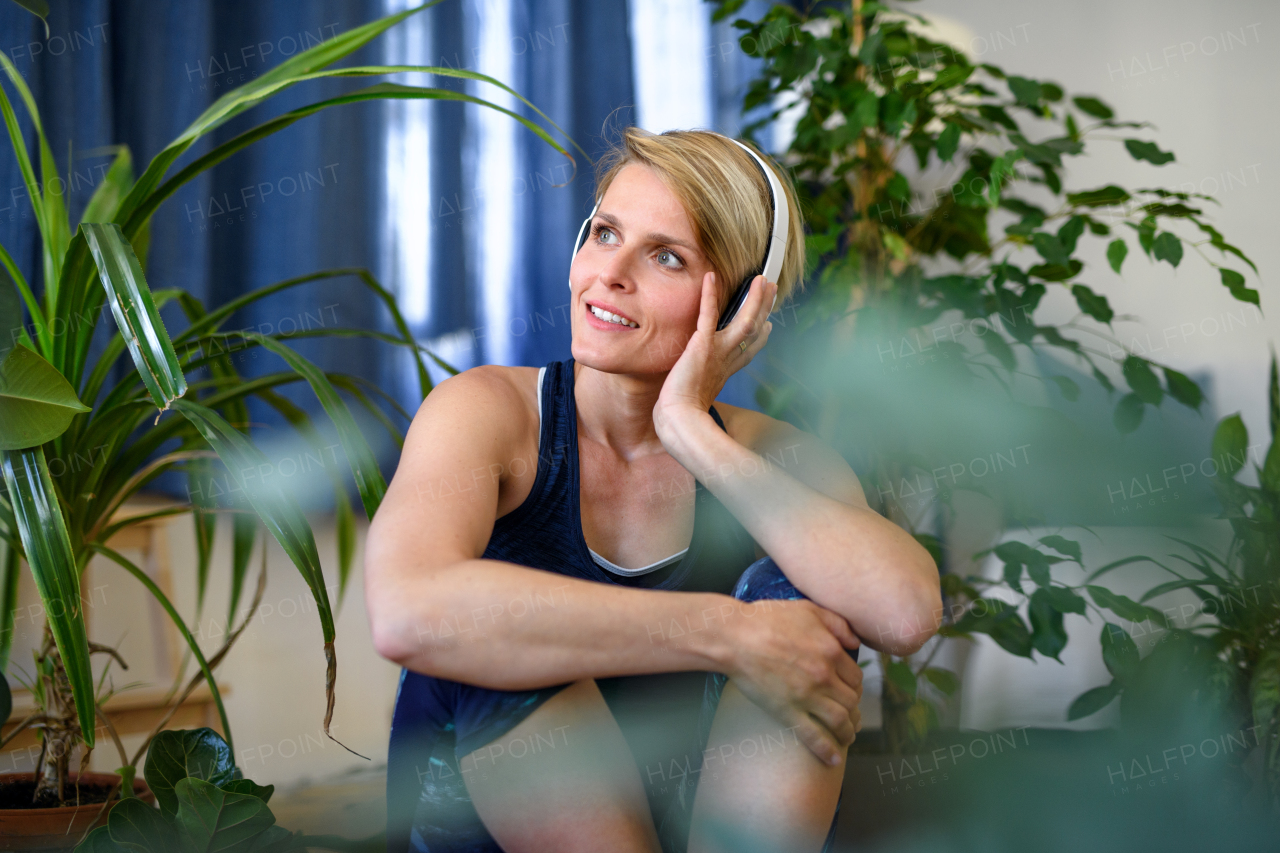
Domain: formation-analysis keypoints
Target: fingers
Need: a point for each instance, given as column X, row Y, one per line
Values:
column 839, row 719
column 707, row 318
column 818, row 739
column 839, row 626
column 850, row 673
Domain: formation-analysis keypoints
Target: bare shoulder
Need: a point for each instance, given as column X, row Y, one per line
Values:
column 802, row 454
column 493, row 388
column 489, row 404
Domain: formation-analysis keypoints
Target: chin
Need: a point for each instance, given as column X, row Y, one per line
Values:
column 610, row 360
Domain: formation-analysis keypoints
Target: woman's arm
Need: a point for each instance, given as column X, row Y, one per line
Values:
column 504, row 626
column 800, row 500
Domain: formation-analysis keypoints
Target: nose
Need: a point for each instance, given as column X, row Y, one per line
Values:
column 613, row 265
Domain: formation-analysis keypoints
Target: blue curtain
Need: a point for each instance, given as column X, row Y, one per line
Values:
column 314, row 196
column 138, row 72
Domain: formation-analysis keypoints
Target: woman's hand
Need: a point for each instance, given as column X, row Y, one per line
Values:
column 789, row 657
column 711, row 357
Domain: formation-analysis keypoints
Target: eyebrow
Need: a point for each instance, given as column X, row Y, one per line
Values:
column 656, row 238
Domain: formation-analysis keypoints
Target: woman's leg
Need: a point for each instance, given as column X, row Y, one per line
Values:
column 760, row 789
column 562, row 780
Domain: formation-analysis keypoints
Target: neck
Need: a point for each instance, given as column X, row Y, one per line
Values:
column 616, row 410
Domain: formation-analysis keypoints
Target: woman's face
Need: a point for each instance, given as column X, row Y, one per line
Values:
column 642, row 261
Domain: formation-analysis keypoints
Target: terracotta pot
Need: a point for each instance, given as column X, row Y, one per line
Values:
column 58, row 829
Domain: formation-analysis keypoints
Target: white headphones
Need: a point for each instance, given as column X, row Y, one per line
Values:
column 774, row 254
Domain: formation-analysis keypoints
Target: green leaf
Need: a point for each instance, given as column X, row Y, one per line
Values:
column 364, row 465
column 1070, row 390
column 177, row 620
column 1000, row 348
column 1183, row 389
column 899, row 672
column 43, row 530
column 176, row 754
column 47, row 202
column 1048, row 636
column 1027, row 92
column 1116, row 251
column 36, row 402
column 248, row 786
column 1103, row 380
column 134, row 825
column 1065, row 600
column 1270, row 477
column 11, row 328
column 1128, row 414
column 1234, row 282
column 211, row 820
column 279, row 511
column 1142, row 379
column 1093, row 304
column 243, row 534
column 1108, row 195
column 1125, row 607
column 1062, row 545
column 1070, row 232
column 1011, row 634
column 1093, row 107
column 1230, row 445
column 1119, row 652
column 1148, row 151
column 948, row 142
column 943, row 679
column 1013, row 573
column 1146, row 233
column 106, row 199
column 135, row 312
column 1218, row 242
column 1093, row 701
column 1050, row 248
column 1168, row 247
column 1264, row 690
column 866, row 113
column 1057, row 272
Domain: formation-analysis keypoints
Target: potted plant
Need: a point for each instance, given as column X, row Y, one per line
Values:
column 56, row 402
column 1227, row 651
column 936, row 193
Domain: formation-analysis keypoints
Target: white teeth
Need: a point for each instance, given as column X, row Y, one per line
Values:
column 612, row 318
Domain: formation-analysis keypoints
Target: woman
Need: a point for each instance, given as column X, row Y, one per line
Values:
column 609, row 595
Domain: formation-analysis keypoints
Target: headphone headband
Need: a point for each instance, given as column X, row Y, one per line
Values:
column 775, row 252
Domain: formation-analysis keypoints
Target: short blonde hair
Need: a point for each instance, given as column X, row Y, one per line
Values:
column 725, row 197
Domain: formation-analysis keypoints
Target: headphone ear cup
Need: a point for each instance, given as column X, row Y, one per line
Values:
column 582, row 238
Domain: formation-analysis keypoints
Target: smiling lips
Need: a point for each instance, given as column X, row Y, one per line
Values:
column 602, row 319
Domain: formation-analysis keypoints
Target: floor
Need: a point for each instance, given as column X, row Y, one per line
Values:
column 352, row 805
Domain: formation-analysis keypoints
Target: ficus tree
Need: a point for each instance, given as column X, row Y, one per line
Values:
column 937, row 189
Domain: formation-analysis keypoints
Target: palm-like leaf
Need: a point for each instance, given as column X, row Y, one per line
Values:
column 38, row 518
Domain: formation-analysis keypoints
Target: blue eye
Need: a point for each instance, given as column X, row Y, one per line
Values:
column 597, row 230
column 671, row 254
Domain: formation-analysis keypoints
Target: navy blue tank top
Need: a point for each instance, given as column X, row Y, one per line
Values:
column 657, row 712
column 545, row 531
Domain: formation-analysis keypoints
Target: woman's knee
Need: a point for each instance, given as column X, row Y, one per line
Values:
column 563, row 778
column 764, row 579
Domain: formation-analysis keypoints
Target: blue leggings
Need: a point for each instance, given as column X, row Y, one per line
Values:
column 437, row 722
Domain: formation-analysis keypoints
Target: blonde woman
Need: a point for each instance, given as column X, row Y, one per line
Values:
column 628, row 616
